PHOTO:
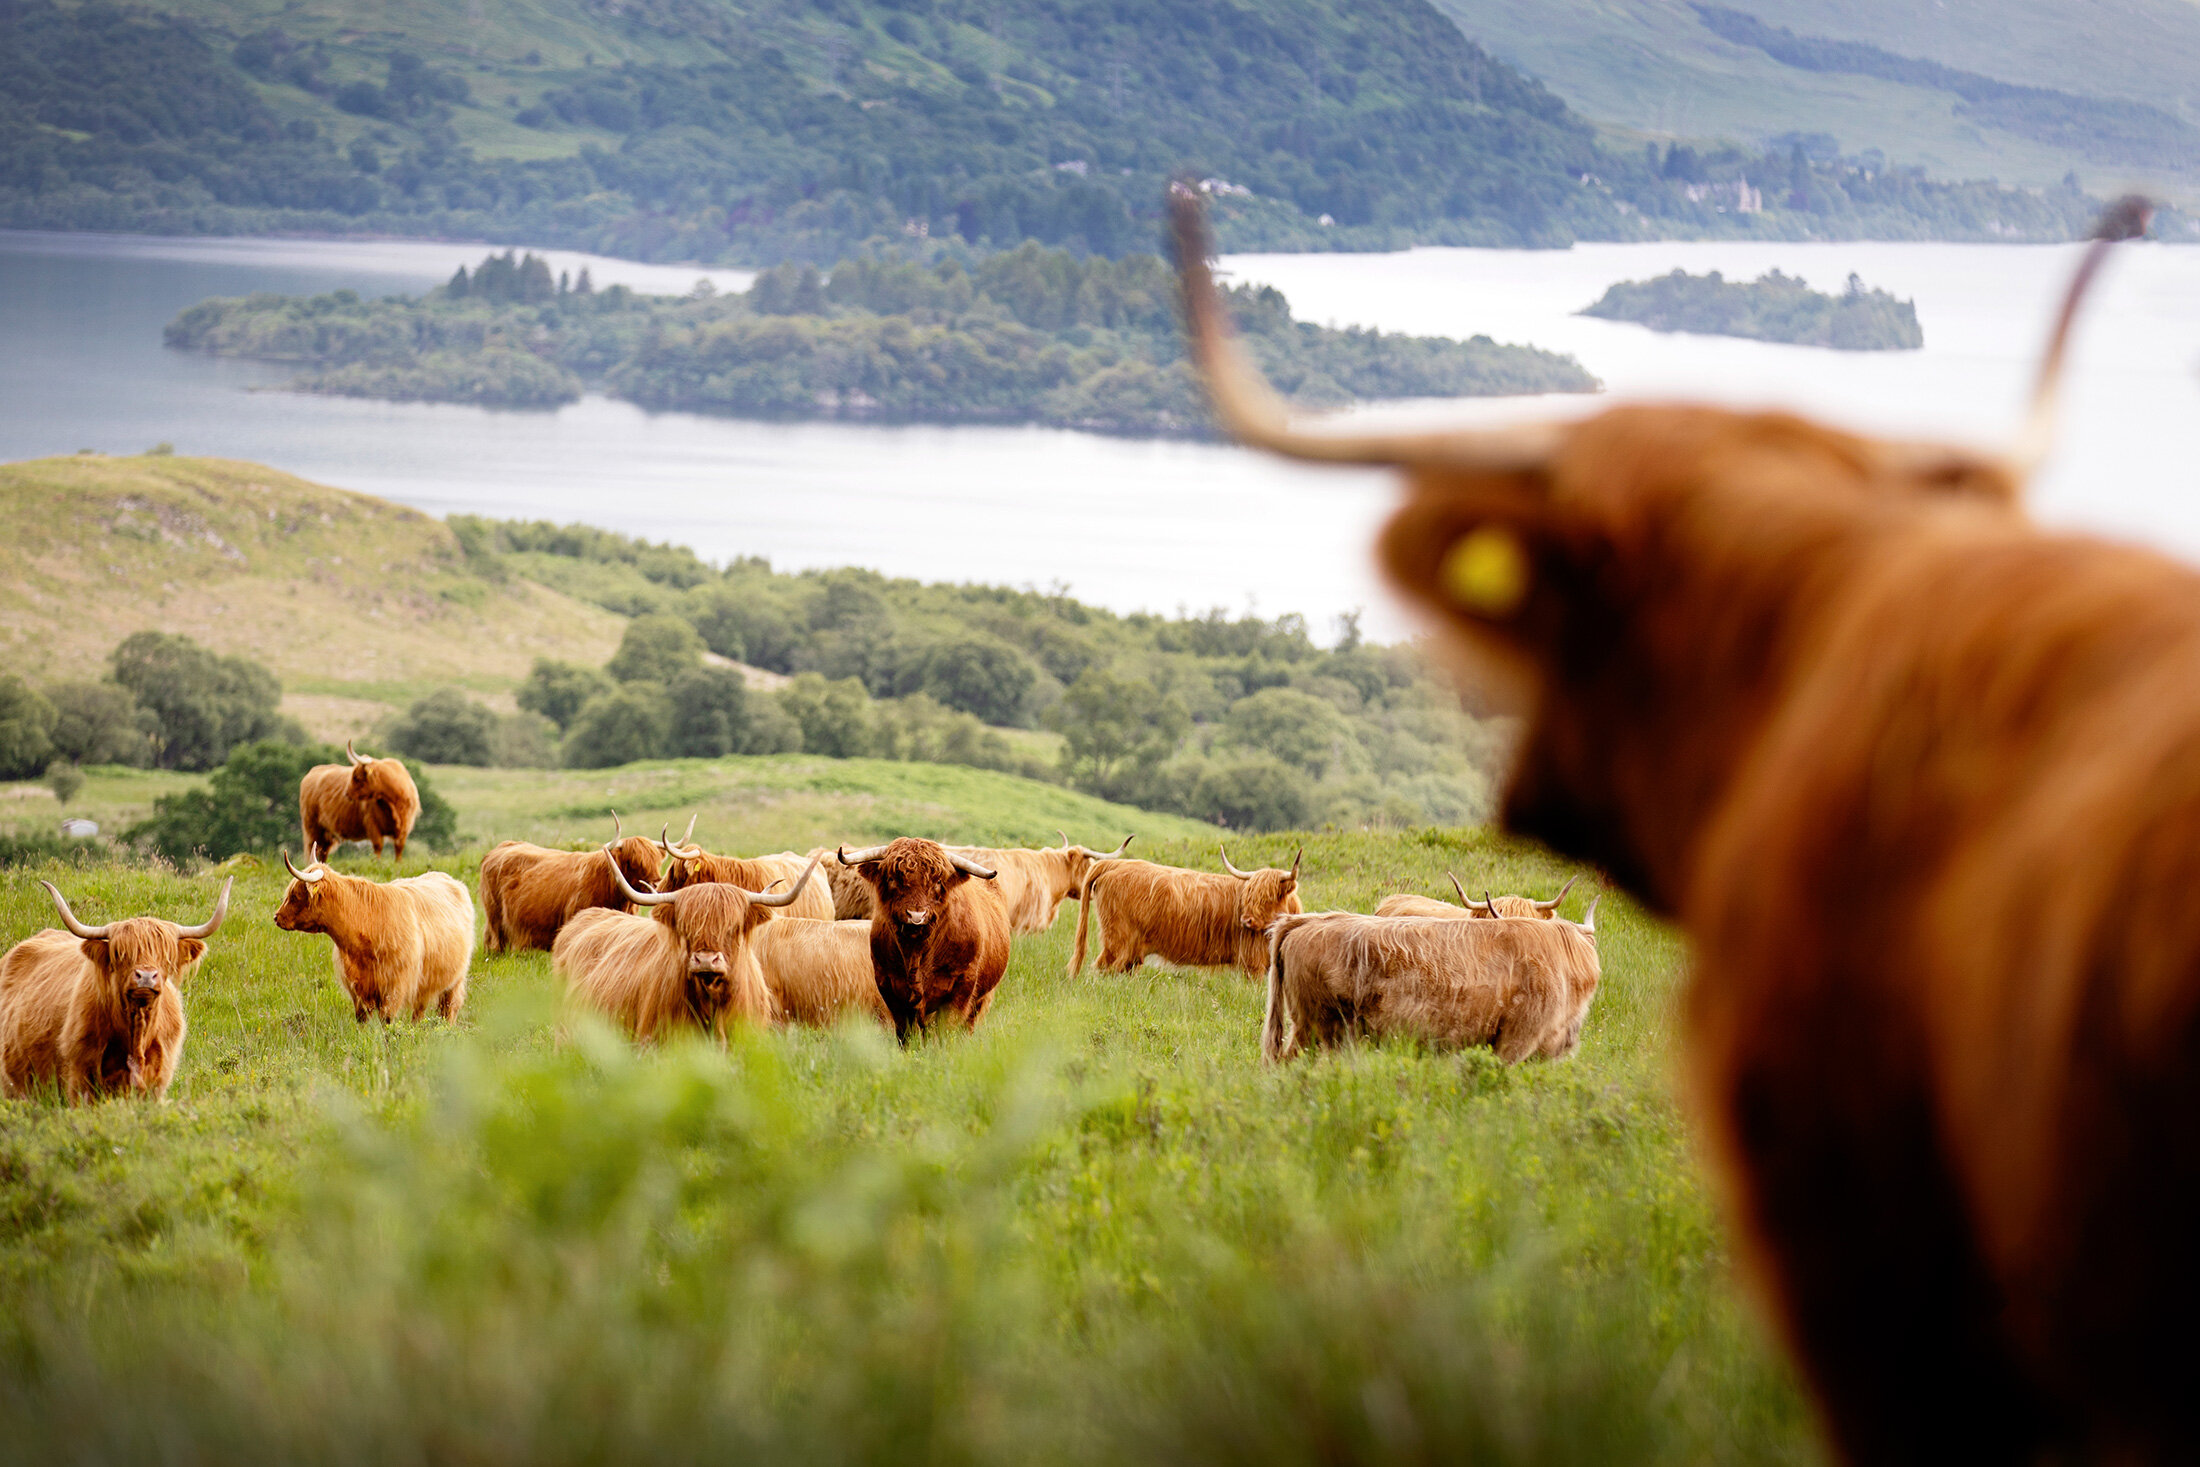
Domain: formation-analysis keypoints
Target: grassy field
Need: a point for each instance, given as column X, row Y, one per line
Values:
column 1098, row 1230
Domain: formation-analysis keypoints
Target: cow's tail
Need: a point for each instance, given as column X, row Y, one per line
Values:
column 1084, row 921
column 1277, row 1019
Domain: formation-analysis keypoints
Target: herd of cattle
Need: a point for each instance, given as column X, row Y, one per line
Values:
column 662, row 936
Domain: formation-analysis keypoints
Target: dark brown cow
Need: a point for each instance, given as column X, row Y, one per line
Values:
column 1922, row 783
column 365, row 799
column 529, row 892
column 98, row 1011
column 939, row 932
column 1195, row 918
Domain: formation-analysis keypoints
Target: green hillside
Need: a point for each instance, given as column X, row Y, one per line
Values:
column 1656, row 68
column 757, row 132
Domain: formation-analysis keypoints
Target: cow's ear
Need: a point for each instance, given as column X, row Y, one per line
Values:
column 95, row 948
column 358, row 776
column 191, row 950
column 758, row 916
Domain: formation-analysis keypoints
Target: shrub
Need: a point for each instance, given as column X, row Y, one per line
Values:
column 986, row 678
column 100, row 723
column 735, row 621
column 64, row 779
column 36, row 847
column 772, row 729
column 250, row 804
column 559, row 690
column 709, row 713
column 1255, row 792
column 446, row 727
column 835, row 717
column 203, row 704
column 1297, row 727
column 26, row 729
column 619, row 727
column 656, row 649
column 524, row 741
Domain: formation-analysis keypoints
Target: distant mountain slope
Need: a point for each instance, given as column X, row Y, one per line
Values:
column 753, row 131
column 1654, row 66
column 338, row 593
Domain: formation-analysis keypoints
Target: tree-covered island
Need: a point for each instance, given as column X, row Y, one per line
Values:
column 1028, row 336
column 1774, row 307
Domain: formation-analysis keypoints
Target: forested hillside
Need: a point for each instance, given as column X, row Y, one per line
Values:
column 758, row 132
column 1028, row 336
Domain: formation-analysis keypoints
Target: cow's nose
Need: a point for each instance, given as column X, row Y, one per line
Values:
column 145, row 981
column 915, row 919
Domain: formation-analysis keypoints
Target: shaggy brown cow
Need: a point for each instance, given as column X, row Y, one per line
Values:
column 400, row 946
column 820, row 972
column 1521, row 985
column 1035, row 881
column 528, row 892
column 851, row 893
column 689, row 863
column 939, row 942
column 1922, row 783
column 366, row 799
column 686, row 965
column 98, row 1010
column 1413, row 904
column 1195, row 918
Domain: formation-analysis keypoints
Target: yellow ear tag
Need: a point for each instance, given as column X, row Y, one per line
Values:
column 1486, row 572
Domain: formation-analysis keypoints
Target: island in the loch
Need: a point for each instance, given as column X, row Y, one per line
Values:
column 1028, row 336
column 1774, row 307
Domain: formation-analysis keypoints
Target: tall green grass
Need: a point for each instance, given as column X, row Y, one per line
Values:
column 1097, row 1230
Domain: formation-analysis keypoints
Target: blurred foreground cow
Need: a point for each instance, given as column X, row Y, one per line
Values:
column 1521, row 985
column 684, row 965
column 1195, row 918
column 97, row 1010
column 401, row 946
column 528, row 892
column 1922, row 783
column 687, row 864
column 939, row 932
column 365, row 799
column 1413, row 904
column 820, row 972
column 1035, row 881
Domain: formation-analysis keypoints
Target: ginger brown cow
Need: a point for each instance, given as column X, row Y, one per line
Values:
column 820, row 972
column 98, row 1011
column 1521, row 985
column 688, row 863
column 528, row 892
column 1195, row 918
column 1413, row 904
column 1922, row 784
column 687, row 964
column 939, row 932
column 401, row 947
column 364, row 799
column 851, row 893
column 1035, row 881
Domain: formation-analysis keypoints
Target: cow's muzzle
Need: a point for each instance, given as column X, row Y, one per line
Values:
column 144, row 986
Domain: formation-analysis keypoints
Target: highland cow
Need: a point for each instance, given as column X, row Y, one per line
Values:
column 939, row 932
column 820, row 973
column 1035, row 881
column 1195, row 918
column 365, row 799
column 98, row 1011
column 528, row 893
column 1413, row 904
column 687, row 863
column 400, row 947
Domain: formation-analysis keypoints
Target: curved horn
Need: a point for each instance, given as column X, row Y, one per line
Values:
column 1065, row 837
column 1488, row 905
column 1552, row 904
column 1112, row 855
column 1463, row 899
column 1240, row 875
column 971, row 868
column 639, row 898
column 68, row 918
column 1250, row 410
column 1589, row 918
column 314, row 879
column 212, row 924
column 763, row 899
column 353, row 754
column 2127, row 218
column 1296, row 857
column 868, row 853
column 618, row 827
